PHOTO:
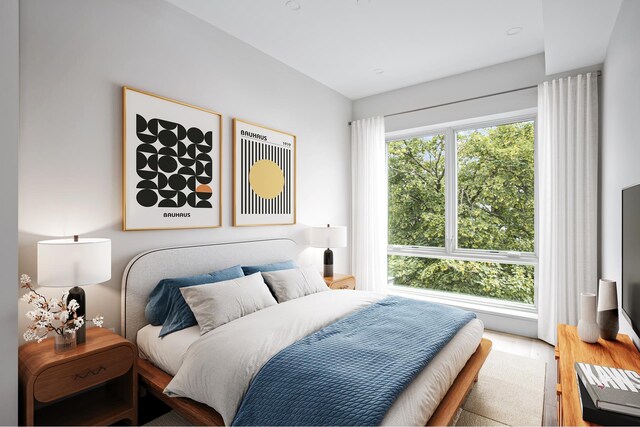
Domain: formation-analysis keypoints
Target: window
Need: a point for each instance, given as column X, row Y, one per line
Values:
column 462, row 210
column 416, row 178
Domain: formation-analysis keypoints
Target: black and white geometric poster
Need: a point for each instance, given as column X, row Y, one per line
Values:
column 264, row 176
column 171, row 176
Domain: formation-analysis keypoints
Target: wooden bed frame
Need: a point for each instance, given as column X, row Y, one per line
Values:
column 145, row 270
column 156, row 380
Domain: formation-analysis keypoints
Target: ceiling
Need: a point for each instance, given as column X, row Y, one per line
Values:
column 577, row 32
column 363, row 47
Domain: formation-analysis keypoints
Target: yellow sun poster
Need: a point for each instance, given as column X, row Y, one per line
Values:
column 264, row 175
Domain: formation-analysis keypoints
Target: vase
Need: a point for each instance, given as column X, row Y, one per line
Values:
column 608, row 309
column 64, row 342
column 588, row 329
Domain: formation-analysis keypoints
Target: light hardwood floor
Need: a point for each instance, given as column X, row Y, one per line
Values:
column 535, row 349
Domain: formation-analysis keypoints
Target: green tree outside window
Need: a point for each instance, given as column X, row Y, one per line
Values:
column 495, row 173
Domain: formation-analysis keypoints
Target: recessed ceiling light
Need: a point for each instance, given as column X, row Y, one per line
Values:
column 378, row 70
column 292, row 5
column 514, row 30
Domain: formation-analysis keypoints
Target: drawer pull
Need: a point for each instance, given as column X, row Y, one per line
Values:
column 89, row 372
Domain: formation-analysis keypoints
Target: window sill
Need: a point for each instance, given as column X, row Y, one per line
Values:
column 467, row 302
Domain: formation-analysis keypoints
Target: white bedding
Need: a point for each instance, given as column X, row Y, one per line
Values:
column 216, row 369
column 166, row 353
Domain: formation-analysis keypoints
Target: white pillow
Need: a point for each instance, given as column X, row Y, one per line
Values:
column 295, row 283
column 215, row 304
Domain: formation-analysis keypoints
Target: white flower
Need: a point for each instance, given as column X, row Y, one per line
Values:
column 31, row 298
column 29, row 335
column 73, row 305
column 78, row 322
column 98, row 321
column 37, row 300
column 45, row 315
column 24, row 279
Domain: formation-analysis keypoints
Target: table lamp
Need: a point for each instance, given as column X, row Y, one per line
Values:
column 74, row 262
column 328, row 237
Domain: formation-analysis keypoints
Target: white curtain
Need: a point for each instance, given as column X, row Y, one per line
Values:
column 369, row 208
column 568, row 199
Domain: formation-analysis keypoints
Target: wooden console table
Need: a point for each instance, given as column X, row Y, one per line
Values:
column 621, row 353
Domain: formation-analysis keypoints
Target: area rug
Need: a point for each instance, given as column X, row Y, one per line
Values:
column 510, row 391
column 171, row 418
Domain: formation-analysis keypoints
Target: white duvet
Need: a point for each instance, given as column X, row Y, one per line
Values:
column 218, row 367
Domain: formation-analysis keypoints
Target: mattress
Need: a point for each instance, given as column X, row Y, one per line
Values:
column 413, row 407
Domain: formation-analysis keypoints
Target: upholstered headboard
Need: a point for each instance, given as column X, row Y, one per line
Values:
column 145, row 270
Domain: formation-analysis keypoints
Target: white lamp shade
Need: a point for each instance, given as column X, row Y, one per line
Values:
column 329, row 237
column 65, row 262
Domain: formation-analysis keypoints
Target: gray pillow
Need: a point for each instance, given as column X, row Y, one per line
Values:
column 295, row 283
column 215, row 304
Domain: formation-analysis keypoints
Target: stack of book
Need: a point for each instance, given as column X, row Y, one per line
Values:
column 608, row 396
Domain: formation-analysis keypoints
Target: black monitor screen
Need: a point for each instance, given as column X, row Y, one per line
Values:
column 631, row 255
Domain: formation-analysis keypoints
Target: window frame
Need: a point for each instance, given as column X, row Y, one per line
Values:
column 451, row 249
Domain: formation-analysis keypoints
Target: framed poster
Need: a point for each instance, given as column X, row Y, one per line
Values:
column 264, row 175
column 171, row 164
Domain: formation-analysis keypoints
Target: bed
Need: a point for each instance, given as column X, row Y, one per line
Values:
column 433, row 398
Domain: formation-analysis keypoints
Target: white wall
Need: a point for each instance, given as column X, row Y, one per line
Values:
column 9, row 123
column 497, row 78
column 76, row 55
column 620, row 149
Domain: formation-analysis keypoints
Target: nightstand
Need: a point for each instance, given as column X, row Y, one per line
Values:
column 619, row 353
column 341, row 281
column 94, row 384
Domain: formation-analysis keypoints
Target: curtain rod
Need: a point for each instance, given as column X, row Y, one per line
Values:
column 464, row 100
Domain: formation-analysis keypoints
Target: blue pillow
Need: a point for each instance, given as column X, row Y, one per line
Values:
column 284, row 265
column 167, row 306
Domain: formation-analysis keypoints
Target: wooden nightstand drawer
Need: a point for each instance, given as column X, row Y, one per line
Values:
column 81, row 374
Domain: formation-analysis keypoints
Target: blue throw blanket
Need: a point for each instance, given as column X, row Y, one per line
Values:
column 352, row 371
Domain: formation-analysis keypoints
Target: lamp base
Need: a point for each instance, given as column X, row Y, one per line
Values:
column 77, row 293
column 328, row 263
